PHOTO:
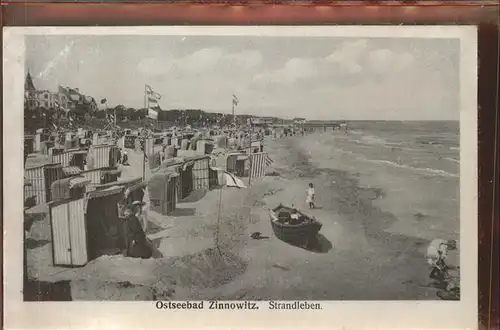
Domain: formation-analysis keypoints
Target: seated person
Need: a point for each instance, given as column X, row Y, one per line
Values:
column 137, row 244
column 284, row 217
column 294, row 217
column 437, row 253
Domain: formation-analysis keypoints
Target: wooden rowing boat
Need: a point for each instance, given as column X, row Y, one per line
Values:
column 293, row 226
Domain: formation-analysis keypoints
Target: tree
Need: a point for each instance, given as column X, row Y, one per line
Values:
column 130, row 113
column 101, row 114
column 142, row 113
column 119, row 112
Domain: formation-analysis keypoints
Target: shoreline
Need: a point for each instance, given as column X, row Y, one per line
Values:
column 355, row 247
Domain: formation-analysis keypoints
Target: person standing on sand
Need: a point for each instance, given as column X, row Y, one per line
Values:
column 124, row 159
column 310, row 193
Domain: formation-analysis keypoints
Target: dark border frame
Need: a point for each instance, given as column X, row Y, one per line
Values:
column 482, row 13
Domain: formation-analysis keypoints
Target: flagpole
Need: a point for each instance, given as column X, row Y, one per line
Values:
column 234, row 119
column 144, row 137
column 251, row 164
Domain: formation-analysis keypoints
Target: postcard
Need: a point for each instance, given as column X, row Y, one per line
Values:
column 240, row 177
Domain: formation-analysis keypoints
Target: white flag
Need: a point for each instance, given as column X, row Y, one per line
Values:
column 152, row 114
column 153, row 103
column 151, row 93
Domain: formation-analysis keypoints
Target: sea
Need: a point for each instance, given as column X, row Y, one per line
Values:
column 427, row 147
column 415, row 163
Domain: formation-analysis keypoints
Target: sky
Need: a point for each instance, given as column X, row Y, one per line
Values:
column 321, row 78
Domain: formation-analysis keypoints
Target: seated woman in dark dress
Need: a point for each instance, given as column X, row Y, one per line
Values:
column 137, row 244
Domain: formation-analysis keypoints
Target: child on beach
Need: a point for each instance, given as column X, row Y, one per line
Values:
column 310, row 195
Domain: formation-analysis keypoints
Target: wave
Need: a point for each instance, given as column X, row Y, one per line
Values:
column 452, row 159
column 423, row 170
column 437, row 141
column 370, row 140
column 388, row 145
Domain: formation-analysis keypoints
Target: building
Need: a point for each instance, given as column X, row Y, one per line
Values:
column 256, row 121
column 267, row 120
column 47, row 99
column 30, row 93
column 38, row 98
column 324, row 124
column 71, row 98
column 65, row 98
column 299, row 121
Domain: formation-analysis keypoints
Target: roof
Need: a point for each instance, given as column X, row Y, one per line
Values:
column 112, row 172
column 71, row 170
column 197, row 157
column 105, row 192
column 121, row 183
column 137, row 186
column 78, row 181
column 61, row 183
column 28, row 83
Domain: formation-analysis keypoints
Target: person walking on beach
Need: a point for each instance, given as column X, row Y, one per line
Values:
column 310, row 193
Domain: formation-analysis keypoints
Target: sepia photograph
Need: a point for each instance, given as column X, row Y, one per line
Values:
column 230, row 168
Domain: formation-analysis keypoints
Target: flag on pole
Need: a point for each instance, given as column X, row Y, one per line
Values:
column 111, row 119
column 153, row 113
column 236, row 101
column 150, row 92
column 153, row 106
column 152, row 102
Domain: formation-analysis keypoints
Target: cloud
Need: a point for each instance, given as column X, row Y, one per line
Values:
column 344, row 65
column 155, row 66
column 362, row 79
column 60, row 57
column 386, row 61
column 293, row 70
column 203, row 61
column 347, row 57
column 245, row 60
column 354, row 57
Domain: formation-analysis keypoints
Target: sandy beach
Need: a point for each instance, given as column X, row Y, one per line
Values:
column 377, row 222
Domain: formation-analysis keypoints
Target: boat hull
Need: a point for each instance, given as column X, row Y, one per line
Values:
column 303, row 234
